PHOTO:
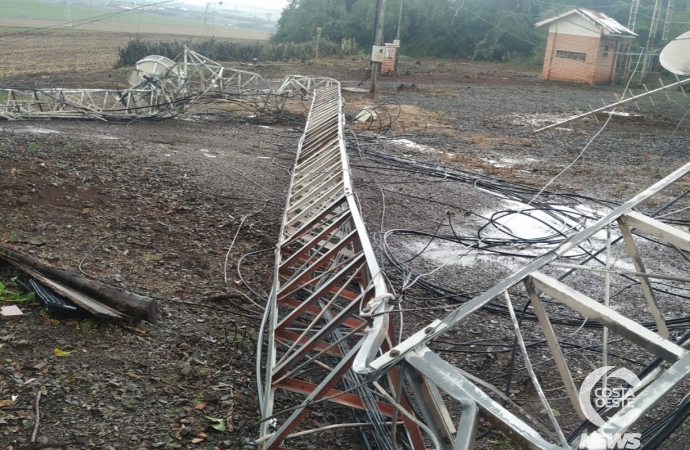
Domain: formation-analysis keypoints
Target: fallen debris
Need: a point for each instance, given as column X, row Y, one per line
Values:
column 356, row 90
column 10, row 312
column 620, row 116
column 99, row 299
column 366, row 115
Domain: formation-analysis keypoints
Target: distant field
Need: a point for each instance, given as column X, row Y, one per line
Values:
column 37, row 13
column 35, row 37
column 17, row 24
column 78, row 51
column 37, row 9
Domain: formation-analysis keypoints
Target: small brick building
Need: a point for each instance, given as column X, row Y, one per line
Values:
column 389, row 58
column 582, row 46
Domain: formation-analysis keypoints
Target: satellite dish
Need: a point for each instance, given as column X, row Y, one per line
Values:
column 675, row 57
column 152, row 67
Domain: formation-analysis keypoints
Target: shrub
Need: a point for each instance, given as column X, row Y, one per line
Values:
column 214, row 49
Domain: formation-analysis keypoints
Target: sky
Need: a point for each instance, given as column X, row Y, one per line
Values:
column 272, row 4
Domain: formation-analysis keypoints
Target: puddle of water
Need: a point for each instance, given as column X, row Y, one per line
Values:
column 537, row 120
column 207, row 153
column 31, row 129
column 533, row 225
column 498, row 164
column 452, row 254
column 536, row 224
column 41, row 130
column 413, row 145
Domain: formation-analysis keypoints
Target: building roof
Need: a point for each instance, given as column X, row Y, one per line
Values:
column 606, row 24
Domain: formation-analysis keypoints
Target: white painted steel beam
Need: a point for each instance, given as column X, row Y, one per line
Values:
column 656, row 386
column 611, row 319
column 661, row 230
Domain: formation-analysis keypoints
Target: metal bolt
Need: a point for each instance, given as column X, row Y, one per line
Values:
column 394, row 353
column 429, row 330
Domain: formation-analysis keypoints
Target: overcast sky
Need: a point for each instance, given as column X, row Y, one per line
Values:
column 273, row 4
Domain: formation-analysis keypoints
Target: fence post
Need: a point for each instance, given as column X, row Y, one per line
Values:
column 318, row 38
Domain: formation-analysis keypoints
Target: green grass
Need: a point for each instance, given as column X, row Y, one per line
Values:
column 38, row 9
column 47, row 10
column 10, row 29
column 7, row 295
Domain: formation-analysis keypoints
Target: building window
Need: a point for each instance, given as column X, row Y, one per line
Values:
column 571, row 55
column 606, row 50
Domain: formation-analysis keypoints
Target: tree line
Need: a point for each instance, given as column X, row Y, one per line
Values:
column 478, row 29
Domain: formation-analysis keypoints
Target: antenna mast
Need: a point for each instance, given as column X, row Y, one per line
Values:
column 667, row 22
column 627, row 43
column 646, row 67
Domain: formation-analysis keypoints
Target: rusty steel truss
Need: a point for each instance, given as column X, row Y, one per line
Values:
column 327, row 291
column 328, row 332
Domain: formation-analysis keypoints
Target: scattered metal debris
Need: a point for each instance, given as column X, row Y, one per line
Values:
column 610, row 108
column 328, row 289
column 329, row 332
column 159, row 89
column 10, row 312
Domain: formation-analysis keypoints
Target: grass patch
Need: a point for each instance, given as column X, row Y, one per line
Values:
column 37, row 9
column 223, row 50
column 152, row 258
column 8, row 294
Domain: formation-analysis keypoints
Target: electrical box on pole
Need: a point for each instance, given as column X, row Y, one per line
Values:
column 378, row 53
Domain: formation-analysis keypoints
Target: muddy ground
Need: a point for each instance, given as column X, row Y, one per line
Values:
column 154, row 207
column 169, row 197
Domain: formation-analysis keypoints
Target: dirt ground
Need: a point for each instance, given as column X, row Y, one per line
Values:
column 170, row 209
column 166, row 195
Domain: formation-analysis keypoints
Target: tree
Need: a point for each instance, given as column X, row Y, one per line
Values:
column 299, row 20
column 484, row 29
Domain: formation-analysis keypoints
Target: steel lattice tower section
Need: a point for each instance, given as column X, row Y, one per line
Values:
column 544, row 290
column 651, row 39
column 174, row 87
column 329, row 334
column 329, row 299
column 627, row 44
column 667, row 22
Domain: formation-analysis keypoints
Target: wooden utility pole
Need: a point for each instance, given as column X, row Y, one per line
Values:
column 397, row 36
column 318, row 40
column 376, row 67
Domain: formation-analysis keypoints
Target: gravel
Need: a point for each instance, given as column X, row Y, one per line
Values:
column 181, row 188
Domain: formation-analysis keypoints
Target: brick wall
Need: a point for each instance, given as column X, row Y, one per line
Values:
column 592, row 70
column 605, row 62
column 388, row 65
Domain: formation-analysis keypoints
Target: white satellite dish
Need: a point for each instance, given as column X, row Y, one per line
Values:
column 152, row 67
column 675, row 57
